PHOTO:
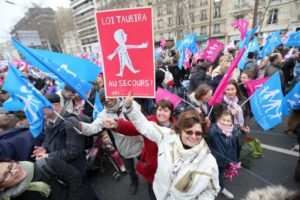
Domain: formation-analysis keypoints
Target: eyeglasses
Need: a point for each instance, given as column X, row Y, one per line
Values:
column 190, row 132
column 8, row 173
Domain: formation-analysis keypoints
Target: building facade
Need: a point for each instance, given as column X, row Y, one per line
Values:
column 41, row 20
column 84, row 17
column 71, row 42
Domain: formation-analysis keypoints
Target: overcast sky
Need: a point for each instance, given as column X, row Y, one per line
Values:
column 11, row 14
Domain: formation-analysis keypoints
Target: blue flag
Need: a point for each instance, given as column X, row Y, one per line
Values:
column 272, row 42
column 81, row 67
column 294, row 40
column 249, row 35
column 188, row 42
column 252, row 47
column 78, row 84
column 98, row 107
column 13, row 104
column 293, row 98
column 268, row 104
column 18, row 86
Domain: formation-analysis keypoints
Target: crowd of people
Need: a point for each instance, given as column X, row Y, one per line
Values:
column 182, row 152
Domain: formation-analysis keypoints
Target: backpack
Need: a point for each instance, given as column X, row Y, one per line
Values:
column 168, row 79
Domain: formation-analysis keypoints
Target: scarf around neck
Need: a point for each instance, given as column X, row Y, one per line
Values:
column 232, row 103
column 226, row 130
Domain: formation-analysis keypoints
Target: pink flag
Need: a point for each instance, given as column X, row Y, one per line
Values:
column 254, row 85
column 212, row 50
column 165, row 94
column 285, row 38
column 186, row 61
column 242, row 25
column 198, row 55
column 217, row 97
column 163, row 43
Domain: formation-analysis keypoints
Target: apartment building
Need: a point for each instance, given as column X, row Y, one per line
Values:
column 84, row 17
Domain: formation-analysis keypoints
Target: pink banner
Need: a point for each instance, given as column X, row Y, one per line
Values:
column 218, row 95
column 212, row 50
column 242, row 25
column 163, row 43
column 128, row 59
column 254, row 85
column 165, row 94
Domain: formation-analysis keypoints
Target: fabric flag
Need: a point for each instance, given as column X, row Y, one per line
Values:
column 78, row 84
column 294, row 40
column 272, row 42
column 242, row 25
column 218, row 94
column 253, row 46
column 98, row 107
column 285, row 38
column 254, row 85
column 198, row 54
column 18, row 86
column 188, row 55
column 267, row 103
column 212, row 50
column 293, row 98
column 188, row 42
column 165, row 94
column 249, row 35
column 163, row 43
column 13, row 104
column 83, row 68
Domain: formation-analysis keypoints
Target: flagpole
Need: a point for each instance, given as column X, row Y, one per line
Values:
column 210, row 112
column 61, row 117
column 245, row 101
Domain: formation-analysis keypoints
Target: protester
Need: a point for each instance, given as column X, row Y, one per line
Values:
column 67, row 102
column 185, row 168
column 275, row 66
column 45, row 179
column 199, row 75
column 147, row 163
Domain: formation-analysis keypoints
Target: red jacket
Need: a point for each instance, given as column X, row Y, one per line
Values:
column 147, row 163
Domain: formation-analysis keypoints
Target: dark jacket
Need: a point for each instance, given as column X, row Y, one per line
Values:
column 222, row 147
column 65, row 181
column 272, row 69
column 64, row 143
column 198, row 76
column 17, row 144
column 214, row 82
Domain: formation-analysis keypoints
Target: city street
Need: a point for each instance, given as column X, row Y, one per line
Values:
column 276, row 167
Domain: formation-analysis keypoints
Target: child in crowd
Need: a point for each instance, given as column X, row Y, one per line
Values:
column 222, row 139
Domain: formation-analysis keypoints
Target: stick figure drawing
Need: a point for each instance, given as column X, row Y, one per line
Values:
column 121, row 37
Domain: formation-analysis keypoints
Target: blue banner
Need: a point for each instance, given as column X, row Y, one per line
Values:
column 79, row 85
column 294, row 40
column 293, row 98
column 18, row 86
column 98, row 107
column 252, row 47
column 268, row 104
column 188, row 42
column 272, row 42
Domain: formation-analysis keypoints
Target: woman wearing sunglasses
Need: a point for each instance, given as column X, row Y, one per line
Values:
column 45, row 179
column 186, row 169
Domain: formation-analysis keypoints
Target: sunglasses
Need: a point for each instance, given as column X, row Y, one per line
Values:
column 190, row 132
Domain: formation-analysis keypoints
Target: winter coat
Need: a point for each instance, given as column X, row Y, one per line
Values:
column 147, row 164
column 198, row 76
column 65, row 143
column 223, row 147
column 65, row 181
column 181, row 173
column 214, row 82
column 128, row 147
column 17, row 144
column 272, row 69
column 196, row 104
column 68, row 105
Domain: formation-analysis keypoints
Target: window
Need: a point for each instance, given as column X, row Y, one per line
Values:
column 171, row 35
column 180, row 34
column 192, row 19
column 203, row 30
column 203, row 15
column 180, row 7
column 170, row 21
column 169, row 8
column 217, row 12
column 217, row 28
column 180, row 20
column 160, row 23
column 261, row 2
column 191, row 3
column 239, row 3
column 273, row 16
column 203, row 2
column 159, row 11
